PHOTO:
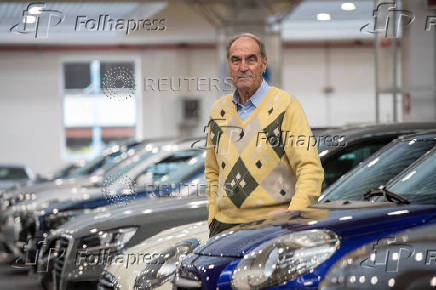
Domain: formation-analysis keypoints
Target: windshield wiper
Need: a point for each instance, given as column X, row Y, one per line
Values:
column 388, row 196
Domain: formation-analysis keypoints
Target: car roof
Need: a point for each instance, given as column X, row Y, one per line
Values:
column 13, row 165
column 426, row 134
column 374, row 129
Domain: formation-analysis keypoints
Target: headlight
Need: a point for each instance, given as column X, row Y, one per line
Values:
column 162, row 268
column 107, row 239
column 284, row 258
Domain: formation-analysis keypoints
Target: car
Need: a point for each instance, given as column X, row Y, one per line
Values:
column 405, row 260
column 160, row 253
column 30, row 220
column 128, row 272
column 84, row 175
column 14, row 173
column 342, row 149
column 296, row 249
column 81, row 238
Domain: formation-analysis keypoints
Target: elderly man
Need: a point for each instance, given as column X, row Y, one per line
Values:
column 252, row 169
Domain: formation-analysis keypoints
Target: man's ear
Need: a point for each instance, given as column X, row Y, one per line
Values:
column 265, row 62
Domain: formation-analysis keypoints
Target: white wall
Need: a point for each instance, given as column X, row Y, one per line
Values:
column 419, row 61
column 351, row 76
column 30, row 110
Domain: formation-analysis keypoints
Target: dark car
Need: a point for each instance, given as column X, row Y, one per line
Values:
column 406, row 260
column 343, row 149
column 296, row 250
column 12, row 173
column 83, row 238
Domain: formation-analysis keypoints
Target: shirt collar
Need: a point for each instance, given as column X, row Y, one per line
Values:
column 256, row 98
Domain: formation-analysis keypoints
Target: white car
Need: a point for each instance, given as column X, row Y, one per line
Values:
column 152, row 263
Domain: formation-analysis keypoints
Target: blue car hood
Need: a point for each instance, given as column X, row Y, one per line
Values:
column 347, row 221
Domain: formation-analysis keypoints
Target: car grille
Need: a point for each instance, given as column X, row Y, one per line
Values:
column 61, row 246
column 107, row 282
column 29, row 227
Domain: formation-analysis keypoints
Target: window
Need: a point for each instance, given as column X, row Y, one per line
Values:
column 341, row 164
column 99, row 105
column 191, row 109
column 385, row 165
column 10, row 173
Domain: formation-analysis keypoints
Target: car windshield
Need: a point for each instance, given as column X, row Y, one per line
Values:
column 418, row 183
column 378, row 170
column 173, row 168
column 10, row 173
column 107, row 161
column 181, row 170
column 125, row 166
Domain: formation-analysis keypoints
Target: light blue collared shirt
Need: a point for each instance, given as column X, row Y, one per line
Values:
column 248, row 108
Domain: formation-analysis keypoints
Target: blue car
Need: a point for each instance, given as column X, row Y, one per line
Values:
column 296, row 249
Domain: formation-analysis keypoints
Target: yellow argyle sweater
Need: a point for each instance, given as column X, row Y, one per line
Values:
column 266, row 162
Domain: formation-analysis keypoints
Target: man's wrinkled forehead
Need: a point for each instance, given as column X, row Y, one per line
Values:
column 244, row 46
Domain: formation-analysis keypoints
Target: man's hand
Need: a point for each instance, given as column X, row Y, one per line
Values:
column 277, row 212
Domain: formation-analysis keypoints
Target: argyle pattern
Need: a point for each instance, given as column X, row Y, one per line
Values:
column 249, row 161
column 250, row 154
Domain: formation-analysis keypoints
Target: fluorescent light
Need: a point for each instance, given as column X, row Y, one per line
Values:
column 35, row 10
column 323, row 16
column 348, row 6
column 29, row 19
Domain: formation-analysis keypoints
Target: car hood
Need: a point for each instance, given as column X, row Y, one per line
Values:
column 134, row 214
column 349, row 221
column 155, row 244
column 59, row 195
column 41, row 188
column 6, row 184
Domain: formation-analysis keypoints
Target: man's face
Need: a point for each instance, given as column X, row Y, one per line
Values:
column 246, row 64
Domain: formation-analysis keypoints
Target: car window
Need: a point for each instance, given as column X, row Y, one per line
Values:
column 339, row 165
column 7, row 173
column 378, row 170
column 418, row 183
column 123, row 168
column 171, row 169
column 107, row 162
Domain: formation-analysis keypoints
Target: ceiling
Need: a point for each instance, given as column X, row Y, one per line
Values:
column 184, row 24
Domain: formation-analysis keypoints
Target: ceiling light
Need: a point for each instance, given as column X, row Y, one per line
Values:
column 348, row 6
column 323, row 16
column 29, row 19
